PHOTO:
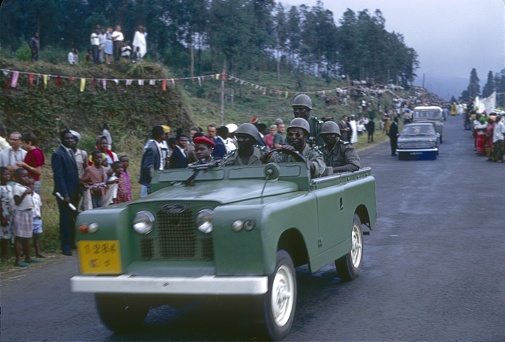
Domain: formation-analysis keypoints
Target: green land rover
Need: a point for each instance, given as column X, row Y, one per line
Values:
column 223, row 231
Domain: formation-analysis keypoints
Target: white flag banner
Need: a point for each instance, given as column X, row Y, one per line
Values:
column 489, row 103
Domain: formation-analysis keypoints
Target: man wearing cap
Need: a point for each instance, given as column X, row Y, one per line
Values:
column 246, row 153
column 338, row 154
column 298, row 133
column 81, row 156
column 223, row 135
column 302, row 107
column 151, row 159
column 203, row 149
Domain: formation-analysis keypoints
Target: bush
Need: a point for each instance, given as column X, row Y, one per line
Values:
column 24, row 53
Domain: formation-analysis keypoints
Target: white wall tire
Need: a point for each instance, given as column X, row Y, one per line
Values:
column 279, row 303
column 349, row 266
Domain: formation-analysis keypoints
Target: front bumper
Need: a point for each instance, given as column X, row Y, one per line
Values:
column 205, row 285
column 417, row 150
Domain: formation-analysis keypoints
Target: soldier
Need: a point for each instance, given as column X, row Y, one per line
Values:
column 247, row 153
column 298, row 133
column 302, row 106
column 203, row 149
column 338, row 154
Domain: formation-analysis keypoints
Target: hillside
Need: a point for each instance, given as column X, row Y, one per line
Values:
column 134, row 97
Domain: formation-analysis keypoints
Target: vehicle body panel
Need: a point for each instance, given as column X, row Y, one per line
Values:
column 312, row 219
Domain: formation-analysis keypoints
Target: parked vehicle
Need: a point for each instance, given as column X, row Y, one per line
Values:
column 418, row 141
column 432, row 114
column 223, row 231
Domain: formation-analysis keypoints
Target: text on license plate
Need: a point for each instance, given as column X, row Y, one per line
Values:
column 99, row 257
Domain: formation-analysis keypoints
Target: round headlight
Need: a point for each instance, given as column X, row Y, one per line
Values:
column 204, row 220
column 143, row 222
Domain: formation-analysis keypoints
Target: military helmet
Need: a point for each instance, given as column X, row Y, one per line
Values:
column 249, row 129
column 302, row 100
column 300, row 123
column 330, row 127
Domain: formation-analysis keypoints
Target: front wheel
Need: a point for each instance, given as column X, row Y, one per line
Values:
column 279, row 303
column 349, row 265
column 121, row 313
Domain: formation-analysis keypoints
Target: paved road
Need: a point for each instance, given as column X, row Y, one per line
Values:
column 433, row 270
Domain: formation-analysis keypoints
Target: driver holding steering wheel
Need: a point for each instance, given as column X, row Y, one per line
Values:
column 298, row 150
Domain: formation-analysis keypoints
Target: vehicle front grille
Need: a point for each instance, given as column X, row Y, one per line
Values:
column 415, row 144
column 177, row 237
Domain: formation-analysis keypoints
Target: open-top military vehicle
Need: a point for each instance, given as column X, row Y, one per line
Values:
column 223, row 231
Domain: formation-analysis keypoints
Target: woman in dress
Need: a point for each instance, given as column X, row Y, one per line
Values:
column 6, row 207
column 108, row 45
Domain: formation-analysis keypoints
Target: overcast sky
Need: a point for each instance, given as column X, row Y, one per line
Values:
column 450, row 36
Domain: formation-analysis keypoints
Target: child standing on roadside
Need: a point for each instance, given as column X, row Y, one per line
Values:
column 94, row 180
column 6, row 207
column 125, row 176
column 22, row 222
column 37, row 218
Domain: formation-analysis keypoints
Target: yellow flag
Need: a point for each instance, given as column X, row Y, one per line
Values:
column 83, row 84
column 44, row 77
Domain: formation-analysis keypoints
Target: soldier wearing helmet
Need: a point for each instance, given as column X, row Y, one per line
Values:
column 338, row 154
column 247, row 153
column 298, row 133
column 302, row 106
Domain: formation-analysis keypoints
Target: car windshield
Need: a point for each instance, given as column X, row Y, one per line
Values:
column 427, row 114
column 418, row 130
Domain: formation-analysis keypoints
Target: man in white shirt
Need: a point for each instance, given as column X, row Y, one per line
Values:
column 13, row 154
column 117, row 38
column 95, row 45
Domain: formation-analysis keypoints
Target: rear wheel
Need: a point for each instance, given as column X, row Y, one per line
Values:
column 349, row 265
column 121, row 313
column 279, row 303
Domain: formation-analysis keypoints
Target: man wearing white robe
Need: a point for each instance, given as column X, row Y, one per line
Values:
column 139, row 40
column 354, row 134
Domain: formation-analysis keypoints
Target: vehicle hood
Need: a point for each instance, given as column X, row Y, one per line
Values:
column 227, row 191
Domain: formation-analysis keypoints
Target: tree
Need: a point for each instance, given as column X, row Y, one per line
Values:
column 473, row 86
column 489, row 87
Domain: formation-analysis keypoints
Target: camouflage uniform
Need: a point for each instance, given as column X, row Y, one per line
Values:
column 343, row 153
column 256, row 158
column 312, row 155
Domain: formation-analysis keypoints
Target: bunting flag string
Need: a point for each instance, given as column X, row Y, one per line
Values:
column 13, row 80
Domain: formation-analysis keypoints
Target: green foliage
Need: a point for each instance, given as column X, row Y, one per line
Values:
column 201, row 36
column 24, row 54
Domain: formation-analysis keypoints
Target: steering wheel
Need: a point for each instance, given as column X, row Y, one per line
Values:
column 294, row 154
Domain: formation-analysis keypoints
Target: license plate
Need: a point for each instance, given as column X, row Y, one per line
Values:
column 99, row 257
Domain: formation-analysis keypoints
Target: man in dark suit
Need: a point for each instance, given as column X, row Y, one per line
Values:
column 66, row 189
column 393, row 135
column 151, row 159
column 178, row 159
